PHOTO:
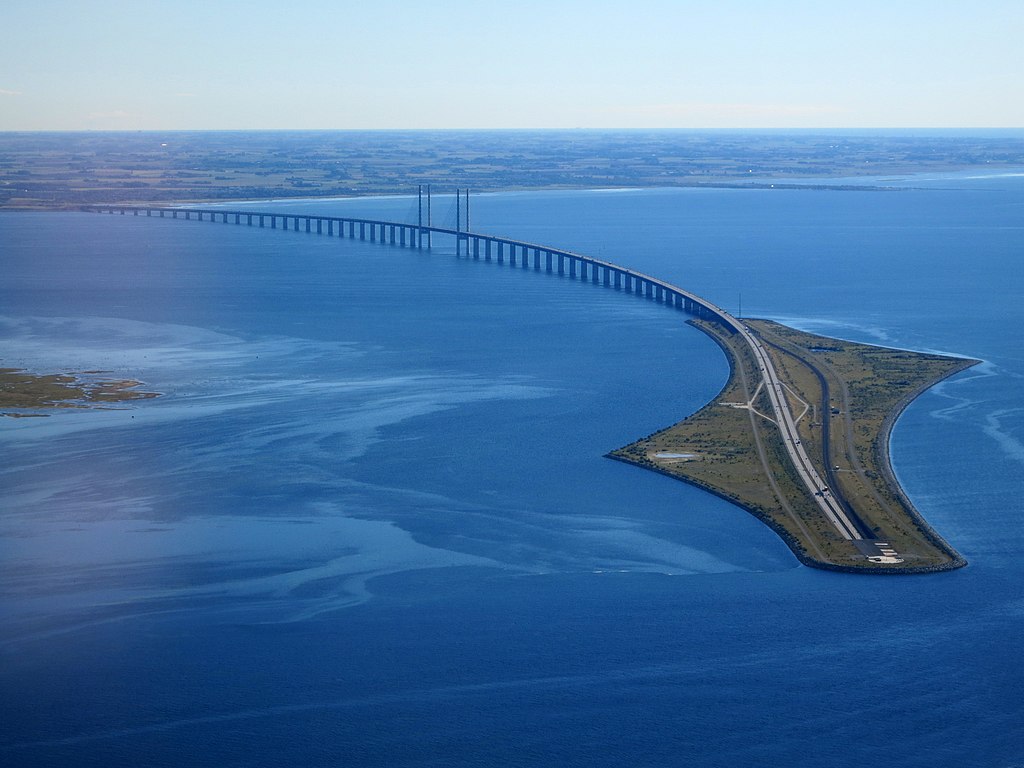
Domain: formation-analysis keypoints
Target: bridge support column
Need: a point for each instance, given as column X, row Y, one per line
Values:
column 352, row 230
column 401, row 236
column 511, row 255
column 161, row 214
column 476, row 249
column 501, row 253
column 572, row 267
column 617, row 280
column 309, row 223
column 135, row 213
column 149, row 212
column 607, row 277
column 536, row 259
column 583, row 270
column 561, row 263
column 547, row 261
column 487, row 250
column 526, row 258
column 238, row 218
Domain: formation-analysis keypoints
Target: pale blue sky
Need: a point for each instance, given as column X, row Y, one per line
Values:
column 479, row 64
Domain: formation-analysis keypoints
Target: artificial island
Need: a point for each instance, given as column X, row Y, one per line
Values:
column 804, row 446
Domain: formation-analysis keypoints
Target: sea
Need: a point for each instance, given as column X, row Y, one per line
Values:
column 369, row 521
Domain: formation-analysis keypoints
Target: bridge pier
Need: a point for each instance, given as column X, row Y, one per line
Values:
column 352, row 230
column 547, row 261
column 476, row 249
column 309, row 223
column 583, row 271
column 501, row 253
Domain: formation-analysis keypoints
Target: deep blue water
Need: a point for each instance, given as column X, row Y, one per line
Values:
column 369, row 522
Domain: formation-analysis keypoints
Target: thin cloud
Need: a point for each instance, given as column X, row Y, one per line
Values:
column 7, row 92
column 694, row 109
column 117, row 114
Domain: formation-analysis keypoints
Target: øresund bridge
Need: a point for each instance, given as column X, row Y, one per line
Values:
column 541, row 258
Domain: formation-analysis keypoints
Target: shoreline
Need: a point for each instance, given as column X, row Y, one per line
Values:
column 801, row 549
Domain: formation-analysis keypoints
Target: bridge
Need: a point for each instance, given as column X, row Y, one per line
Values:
column 523, row 255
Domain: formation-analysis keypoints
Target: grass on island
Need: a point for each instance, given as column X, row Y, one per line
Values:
column 33, row 395
column 847, row 396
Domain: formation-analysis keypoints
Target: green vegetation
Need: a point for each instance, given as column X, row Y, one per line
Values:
column 847, row 396
column 33, row 395
column 60, row 170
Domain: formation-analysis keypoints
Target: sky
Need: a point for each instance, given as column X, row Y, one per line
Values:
column 411, row 64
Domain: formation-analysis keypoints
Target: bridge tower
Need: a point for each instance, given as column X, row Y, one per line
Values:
column 420, row 217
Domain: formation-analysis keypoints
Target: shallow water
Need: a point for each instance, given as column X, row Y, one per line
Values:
column 369, row 520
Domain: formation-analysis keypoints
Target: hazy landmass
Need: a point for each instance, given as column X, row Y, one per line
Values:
column 50, row 169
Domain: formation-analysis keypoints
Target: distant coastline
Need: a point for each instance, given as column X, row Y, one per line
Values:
column 54, row 170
